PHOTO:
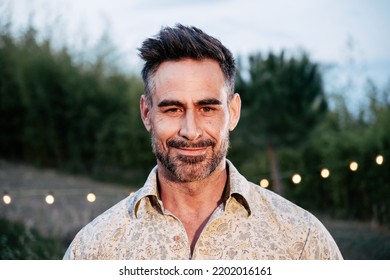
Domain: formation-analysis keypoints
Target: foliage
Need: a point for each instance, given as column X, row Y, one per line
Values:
column 283, row 100
column 284, row 95
column 342, row 138
column 56, row 112
column 20, row 243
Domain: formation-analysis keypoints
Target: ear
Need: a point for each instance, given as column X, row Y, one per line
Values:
column 235, row 111
column 145, row 112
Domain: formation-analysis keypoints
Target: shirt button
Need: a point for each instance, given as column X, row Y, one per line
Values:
column 177, row 238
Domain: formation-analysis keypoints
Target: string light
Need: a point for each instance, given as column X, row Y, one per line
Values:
column 49, row 198
column 7, row 198
column 264, row 183
column 91, row 197
column 353, row 166
column 379, row 159
column 296, row 178
column 325, row 173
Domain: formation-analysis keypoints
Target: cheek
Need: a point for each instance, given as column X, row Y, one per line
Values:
column 164, row 130
column 217, row 128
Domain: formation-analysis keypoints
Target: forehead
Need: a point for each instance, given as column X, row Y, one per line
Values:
column 196, row 78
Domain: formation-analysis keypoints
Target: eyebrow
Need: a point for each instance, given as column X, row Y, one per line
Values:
column 203, row 102
column 167, row 103
column 211, row 101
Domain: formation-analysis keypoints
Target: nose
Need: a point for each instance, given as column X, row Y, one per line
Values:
column 190, row 129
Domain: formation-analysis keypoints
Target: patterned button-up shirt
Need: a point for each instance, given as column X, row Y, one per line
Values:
column 252, row 223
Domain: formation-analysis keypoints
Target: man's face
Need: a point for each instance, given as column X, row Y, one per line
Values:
column 190, row 118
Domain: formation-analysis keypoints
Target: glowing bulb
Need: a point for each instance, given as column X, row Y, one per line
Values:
column 353, row 166
column 50, row 198
column 91, row 197
column 379, row 159
column 7, row 198
column 296, row 178
column 264, row 183
column 325, row 173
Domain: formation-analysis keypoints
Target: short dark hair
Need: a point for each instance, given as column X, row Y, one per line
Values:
column 180, row 42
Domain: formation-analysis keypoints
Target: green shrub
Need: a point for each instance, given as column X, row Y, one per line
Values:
column 18, row 242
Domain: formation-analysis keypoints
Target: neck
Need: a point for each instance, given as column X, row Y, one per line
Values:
column 193, row 195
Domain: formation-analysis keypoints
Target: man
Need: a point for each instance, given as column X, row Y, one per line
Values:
column 195, row 204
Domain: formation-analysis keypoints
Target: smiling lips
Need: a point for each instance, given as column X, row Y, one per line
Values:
column 188, row 149
column 194, row 152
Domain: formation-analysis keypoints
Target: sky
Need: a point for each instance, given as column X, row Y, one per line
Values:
column 352, row 36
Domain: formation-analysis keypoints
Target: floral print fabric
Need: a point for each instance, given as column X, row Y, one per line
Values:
column 252, row 223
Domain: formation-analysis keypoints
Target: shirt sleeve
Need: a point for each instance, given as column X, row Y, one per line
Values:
column 319, row 244
column 67, row 255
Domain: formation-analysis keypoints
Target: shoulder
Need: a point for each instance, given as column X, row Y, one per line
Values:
column 293, row 224
column 266, row 203
column 275, row 213
column 111, row 224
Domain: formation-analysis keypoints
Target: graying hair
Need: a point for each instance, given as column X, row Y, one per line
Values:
column 180, row 42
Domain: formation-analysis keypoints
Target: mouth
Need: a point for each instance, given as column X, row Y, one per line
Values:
column 192, row 152
column 186, row 149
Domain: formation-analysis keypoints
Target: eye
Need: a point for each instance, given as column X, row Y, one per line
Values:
column 172, row 110
column 207, row 109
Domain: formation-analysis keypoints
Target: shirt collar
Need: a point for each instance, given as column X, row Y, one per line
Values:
column 237, row 188
column 148, row 190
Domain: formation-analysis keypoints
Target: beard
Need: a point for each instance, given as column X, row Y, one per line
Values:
column 185, row 168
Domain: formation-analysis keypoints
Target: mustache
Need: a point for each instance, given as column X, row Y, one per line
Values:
column 188, row 144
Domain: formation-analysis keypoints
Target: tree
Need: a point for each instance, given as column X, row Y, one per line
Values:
column 57, row 111
column 283, row 100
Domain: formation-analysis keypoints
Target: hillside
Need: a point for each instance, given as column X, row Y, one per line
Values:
column 28, row 187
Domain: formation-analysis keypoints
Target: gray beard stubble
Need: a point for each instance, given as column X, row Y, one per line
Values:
column 196, row 165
